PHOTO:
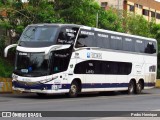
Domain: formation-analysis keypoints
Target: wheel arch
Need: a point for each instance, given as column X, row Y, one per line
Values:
column 133, row 79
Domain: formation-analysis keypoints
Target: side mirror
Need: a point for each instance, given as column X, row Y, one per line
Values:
column 7, row 48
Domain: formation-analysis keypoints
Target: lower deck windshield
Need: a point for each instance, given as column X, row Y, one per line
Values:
column 35, row 64
column 31, row 64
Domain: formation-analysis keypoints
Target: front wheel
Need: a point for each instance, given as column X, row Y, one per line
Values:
column 73, row 92
column 131, row 87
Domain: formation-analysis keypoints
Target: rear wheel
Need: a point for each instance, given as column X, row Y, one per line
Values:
column 73, row 92
column 139, row 88
column 131, row 87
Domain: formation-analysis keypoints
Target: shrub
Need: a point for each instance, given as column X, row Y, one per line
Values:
column 6, row 68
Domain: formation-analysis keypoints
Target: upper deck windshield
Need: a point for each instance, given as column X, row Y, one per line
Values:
column 39, row 33
column 47, row 35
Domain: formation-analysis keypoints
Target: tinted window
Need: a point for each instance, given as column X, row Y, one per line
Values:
column 128, row 44
column 67, row 35
column 60, row 60
column 139, row 46
column 102, row 40
column 86, row 38
column 116, row 42
column 39, row 33
column 150, row 47
column 103, row 67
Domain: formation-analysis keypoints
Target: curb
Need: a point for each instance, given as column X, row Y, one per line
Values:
column 158, row 83
column 5, row 85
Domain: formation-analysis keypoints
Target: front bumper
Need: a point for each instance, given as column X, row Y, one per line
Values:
column 40, row 88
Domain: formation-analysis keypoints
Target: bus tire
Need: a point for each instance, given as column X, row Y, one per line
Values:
column 41, row 94
column 131, row 87
column 73, row 92
column 139, row 87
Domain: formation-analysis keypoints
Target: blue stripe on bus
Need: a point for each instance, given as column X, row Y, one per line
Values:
column 84, row 86
column 104, row 85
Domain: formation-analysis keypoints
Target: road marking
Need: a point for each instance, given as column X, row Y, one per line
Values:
column 81, row 99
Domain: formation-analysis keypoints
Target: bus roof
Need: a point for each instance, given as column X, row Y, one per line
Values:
column 95, row 29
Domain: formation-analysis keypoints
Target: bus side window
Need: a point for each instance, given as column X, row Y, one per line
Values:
column 80, row 68
column 67, row 35
column 139, row 46
column 128, row 44
column 115, row 42
column 86, row 38
column 102, row 40
column 150, row 47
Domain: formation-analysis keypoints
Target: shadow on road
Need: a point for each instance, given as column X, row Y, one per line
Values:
column 63, row 96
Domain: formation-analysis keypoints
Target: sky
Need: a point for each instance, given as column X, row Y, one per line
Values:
column 24, row 0
column 157, row 0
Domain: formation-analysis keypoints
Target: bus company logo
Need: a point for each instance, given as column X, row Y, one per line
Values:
column 6, row 114
column 96, row 55
column 88, row 55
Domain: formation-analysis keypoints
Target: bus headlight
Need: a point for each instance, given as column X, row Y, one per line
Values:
column 14, row 77
column 48, row 80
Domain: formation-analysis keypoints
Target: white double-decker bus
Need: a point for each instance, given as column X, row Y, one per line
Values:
column 72, row 59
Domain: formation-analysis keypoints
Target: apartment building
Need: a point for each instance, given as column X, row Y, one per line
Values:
column 150, row 9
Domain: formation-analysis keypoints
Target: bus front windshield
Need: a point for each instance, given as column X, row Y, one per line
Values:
column 39, row 33
column 31, row 64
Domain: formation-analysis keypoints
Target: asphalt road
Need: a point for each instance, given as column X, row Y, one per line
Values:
column 149, row 100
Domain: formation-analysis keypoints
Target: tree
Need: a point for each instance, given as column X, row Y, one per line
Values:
column 19, row 15
column 137, row 25
column 85, row 12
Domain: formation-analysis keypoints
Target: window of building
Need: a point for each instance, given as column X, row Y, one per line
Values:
column 158, row 15
column 153, row 14
column 104, row 4
column 145, row 12
column 140, row 6
column 136, row 5
column 131, row 8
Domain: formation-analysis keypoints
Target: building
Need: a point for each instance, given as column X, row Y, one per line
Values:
column 106, row 4
column 150, row 9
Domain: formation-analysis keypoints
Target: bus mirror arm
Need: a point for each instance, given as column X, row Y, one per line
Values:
column 52, row 48
column 7, row 48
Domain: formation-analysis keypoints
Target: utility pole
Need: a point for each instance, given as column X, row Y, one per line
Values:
column 118, row 5
column 97, row 20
